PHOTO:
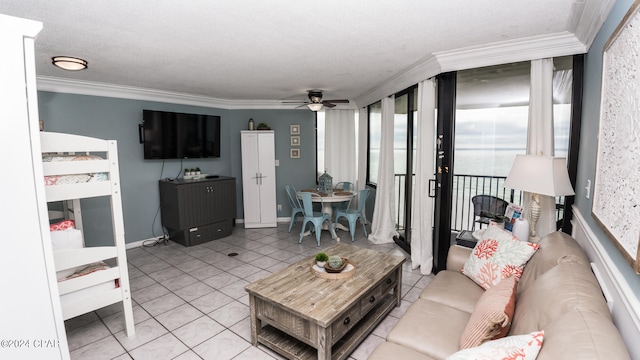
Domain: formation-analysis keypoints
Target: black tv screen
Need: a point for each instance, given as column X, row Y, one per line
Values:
column 169, row 135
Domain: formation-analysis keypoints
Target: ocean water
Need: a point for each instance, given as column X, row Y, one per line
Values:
column 494, row 162
column 487, row 162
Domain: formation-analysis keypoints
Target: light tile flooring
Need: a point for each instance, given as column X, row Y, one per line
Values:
column 190, row 302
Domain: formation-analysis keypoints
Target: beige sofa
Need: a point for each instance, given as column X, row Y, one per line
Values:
column 557, row 293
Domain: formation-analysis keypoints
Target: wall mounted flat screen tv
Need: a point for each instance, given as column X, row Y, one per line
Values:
column 169, row 135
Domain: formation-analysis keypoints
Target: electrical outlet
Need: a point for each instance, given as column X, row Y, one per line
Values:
column 279, row 207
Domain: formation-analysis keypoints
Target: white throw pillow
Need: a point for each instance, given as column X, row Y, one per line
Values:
column 497, row 256
column 521, row 347
column 68, row 239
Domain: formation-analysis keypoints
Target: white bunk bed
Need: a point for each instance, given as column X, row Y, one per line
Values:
column 68, row 182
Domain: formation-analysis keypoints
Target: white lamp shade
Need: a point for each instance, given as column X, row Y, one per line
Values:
column 544, row 175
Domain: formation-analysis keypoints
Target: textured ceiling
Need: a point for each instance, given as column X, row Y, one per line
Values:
column 272, row 50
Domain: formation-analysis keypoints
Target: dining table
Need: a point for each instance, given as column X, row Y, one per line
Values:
column 328, row 199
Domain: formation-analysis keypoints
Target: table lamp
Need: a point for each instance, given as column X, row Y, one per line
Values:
column 539, row 175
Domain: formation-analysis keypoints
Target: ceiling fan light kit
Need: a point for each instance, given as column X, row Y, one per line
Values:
column 315, row 106
column 69, row 63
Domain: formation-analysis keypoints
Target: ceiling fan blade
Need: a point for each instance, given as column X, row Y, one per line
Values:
column 341, row 101
column 328, row 104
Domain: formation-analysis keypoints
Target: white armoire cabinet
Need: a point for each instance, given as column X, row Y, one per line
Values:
column 32, row 325
column 259, row 178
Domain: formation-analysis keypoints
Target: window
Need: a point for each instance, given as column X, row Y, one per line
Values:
column 492, row 115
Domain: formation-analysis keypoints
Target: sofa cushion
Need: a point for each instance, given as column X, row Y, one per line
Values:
column 496, row 256
column 492, row 315
column 453, row 289
column 525, row 347
column 431, row 328
column 566, row 287
column 555, row 248
column 582, row 335
column 388, row 350
column 457, row 256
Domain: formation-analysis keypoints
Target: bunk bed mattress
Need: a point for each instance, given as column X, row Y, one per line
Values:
column 74, row 178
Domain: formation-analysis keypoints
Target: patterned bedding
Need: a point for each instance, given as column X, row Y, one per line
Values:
column 74, row 178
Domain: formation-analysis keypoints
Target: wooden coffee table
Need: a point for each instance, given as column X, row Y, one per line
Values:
column 302, row 316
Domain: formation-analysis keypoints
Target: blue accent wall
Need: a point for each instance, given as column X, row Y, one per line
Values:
column 589, row 138
column 118, row 119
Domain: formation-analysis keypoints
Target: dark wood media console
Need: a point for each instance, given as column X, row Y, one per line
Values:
column 197, row 211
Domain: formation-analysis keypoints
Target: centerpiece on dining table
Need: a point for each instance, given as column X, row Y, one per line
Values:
column 325, row 183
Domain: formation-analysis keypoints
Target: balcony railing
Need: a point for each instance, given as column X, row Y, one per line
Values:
column 466, row 187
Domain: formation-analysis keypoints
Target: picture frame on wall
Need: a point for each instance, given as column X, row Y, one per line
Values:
column 295, row 140
column 617, row 185
column 295, row 153
column 294, row 129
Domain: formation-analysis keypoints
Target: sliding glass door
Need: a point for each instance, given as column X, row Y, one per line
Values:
column 404, row 152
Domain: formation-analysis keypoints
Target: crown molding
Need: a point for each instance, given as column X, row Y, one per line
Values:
column 68, row 86
column 590, row 15
column 411, row 76
column 504, row 52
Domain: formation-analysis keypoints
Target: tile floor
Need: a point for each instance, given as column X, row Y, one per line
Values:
column 190, row 302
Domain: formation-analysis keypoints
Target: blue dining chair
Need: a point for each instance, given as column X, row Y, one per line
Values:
column 296, row 207
column 342, row 186
column 352, row 215
column 316, row 218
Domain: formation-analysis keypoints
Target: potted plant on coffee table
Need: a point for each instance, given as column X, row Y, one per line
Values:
column 335, row 264
column 321, row 259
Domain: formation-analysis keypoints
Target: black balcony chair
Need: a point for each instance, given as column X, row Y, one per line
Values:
column 486, row 206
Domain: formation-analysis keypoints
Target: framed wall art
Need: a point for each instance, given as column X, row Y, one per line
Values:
column 295, row 140
column 295, row 129
column 295, row 154
column 616, row 196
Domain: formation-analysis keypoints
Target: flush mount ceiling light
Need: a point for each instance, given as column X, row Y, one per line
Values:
column 69, row 63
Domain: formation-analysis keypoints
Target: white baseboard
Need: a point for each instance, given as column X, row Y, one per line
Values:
column 136, row 244
column 624, row 305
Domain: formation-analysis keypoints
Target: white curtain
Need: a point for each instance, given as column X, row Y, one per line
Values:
column 363, row 135
column 540, row 134
column 422, row 210
column 340, row 145
column 383, row 224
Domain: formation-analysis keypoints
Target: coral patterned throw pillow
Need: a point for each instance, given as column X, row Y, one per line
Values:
column 518, row 347
column 497, row 256
column 62, row 225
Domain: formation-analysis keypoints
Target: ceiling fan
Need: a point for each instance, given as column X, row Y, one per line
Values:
column 316, row 103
